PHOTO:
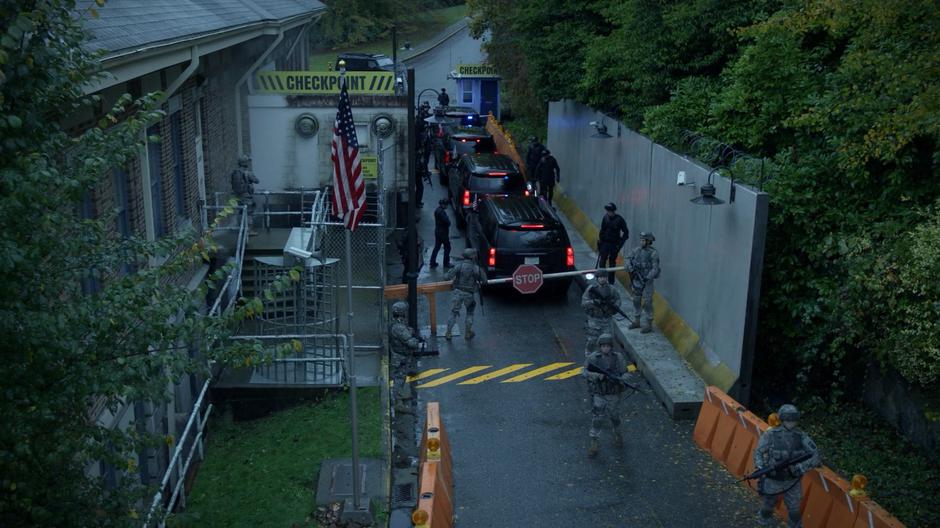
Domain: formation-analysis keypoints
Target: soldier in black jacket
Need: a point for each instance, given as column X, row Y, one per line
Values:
column 610, row 239
column 441, row 234
column 547, row 174
column 532, row 157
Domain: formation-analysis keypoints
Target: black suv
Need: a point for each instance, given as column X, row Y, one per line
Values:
column 366, row 62
column 464, row 140
column 478, row 175
column 516, row 230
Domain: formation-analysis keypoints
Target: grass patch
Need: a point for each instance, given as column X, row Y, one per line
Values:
column 422, row 27
column 900, row 478
column 263, row 472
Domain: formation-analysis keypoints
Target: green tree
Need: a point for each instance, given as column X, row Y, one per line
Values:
column 65, row 348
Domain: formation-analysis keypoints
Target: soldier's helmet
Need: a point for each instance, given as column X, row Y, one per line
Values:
column 603, row 285
column 469, row 253
column 243, row 161
column 646, row 235
column 400, row 309
column 788, row 413
column 605, row 339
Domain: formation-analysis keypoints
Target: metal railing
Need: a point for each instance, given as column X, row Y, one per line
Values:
column 180, row 466
column 323, row 360
column 232, row 285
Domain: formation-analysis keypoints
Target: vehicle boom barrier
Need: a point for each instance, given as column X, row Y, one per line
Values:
column 729, row 432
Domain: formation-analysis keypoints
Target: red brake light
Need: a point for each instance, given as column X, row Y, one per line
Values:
column 569, row 257
column 535, row 226
column 526, row 192
column 466, row 198
column 447, row 157
column 463, row 140
column 492, row 260
column 476, row 140
column 497, row 173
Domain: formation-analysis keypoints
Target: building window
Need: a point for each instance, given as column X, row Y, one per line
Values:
column 123, row 200
column 467, row 92
column 86, row 211
column 154, row 155
column 176, row 137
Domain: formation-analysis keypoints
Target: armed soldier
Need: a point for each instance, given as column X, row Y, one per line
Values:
column 243, row 180
column 600, row 302
column 404, row 345
column 643, row 266
column 606, row 373
column 467, row 278
column 787, row 453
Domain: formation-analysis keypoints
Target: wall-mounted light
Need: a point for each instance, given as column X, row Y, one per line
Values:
column 708, row 192
column 600, row 130
column 306, row 125
column 383, row 126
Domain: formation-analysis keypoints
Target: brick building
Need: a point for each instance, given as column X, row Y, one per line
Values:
column 200, row 55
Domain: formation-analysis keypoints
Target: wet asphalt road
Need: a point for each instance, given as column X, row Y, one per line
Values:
column 519, row 448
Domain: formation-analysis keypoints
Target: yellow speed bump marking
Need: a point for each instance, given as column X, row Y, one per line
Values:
column 425, row 374
column 566, row 374
column 456, row 375
column 537, row 372
column 495, row 374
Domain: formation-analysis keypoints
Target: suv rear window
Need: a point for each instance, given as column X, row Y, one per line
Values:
column 510, row 183
column 515, row 237
column 472, row 146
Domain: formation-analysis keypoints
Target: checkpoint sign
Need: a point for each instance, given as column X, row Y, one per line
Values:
column 527, row 278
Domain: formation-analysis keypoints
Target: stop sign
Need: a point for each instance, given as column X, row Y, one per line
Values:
column 527, row 278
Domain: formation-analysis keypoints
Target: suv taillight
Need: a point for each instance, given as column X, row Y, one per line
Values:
column 447, row 157
column 569, row 257
column 466, row 198
column 492, row 260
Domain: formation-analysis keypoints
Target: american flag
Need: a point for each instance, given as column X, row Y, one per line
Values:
column 349, row 194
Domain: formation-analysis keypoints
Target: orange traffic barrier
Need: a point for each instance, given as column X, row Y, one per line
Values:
column 725, row 427
column 741, row 449
column 870, row 515
column 707, row 420
column 435, row 508
column 730, row 433
column 435, row 505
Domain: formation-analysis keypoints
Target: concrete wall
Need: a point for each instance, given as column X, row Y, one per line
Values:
column 282, row 159
column 711, row 257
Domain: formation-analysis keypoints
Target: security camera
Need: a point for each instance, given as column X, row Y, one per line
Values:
column 682, row 180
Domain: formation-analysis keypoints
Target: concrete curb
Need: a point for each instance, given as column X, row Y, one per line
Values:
column 674, row 382
column 441, row 37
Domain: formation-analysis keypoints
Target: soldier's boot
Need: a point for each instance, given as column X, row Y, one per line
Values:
column 593, row 448
column 469, row 332
column 647, row 328
column 635, row 323
column 449, row 335
column 618, row 439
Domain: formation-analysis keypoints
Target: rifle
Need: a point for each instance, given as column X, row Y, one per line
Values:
column 796, row 459
column 591, row 367
column 607, row 303
column 637, row 282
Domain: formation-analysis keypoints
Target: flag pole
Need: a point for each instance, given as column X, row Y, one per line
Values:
column 352, row 349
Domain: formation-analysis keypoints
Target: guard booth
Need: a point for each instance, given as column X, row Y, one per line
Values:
column 477, row 87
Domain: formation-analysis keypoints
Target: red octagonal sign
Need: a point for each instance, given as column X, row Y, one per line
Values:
column 527, row 278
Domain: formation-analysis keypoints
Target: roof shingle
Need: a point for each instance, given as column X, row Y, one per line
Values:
column 129, row 24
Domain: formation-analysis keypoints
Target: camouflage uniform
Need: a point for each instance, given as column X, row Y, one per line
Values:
column 644, row 268
column 606, row 394
column 776, row 445
column 467, row 278
column 597, row 301
column 243, row 180
column 404, row 344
